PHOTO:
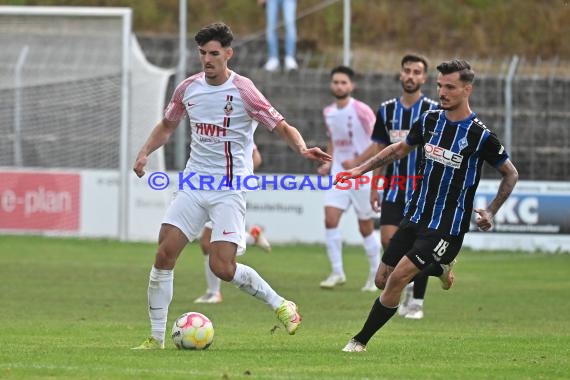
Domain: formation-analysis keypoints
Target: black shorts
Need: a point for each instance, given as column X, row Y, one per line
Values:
column 392, row 213
column 423, row 246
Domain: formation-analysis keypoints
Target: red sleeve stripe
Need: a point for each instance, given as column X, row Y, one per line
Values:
column 176, row 110
column 366, row 117
column 256, row 105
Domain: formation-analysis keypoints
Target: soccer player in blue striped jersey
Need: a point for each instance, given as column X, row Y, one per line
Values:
column 394, row 119
column 455, row 144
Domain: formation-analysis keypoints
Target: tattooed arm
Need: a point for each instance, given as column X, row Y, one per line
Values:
column 386, row 156
column 510, row 176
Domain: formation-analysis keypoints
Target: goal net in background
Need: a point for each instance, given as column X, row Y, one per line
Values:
column 75, row 93
column 61, row 76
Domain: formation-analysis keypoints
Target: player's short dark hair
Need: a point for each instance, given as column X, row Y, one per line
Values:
column 215, row 32
column 415, row 58
column 343, row 70
column 461, row 66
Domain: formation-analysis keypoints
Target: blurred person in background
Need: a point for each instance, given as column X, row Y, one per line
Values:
column 349, row 125
column 288, row 10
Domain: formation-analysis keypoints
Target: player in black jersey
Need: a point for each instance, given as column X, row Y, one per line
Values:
column 455, row 144
column 394, row 119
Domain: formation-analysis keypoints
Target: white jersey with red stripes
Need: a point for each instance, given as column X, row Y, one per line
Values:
column 222, row 121
column 349, row 129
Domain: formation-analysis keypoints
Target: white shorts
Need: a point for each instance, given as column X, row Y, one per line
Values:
column 359, row 199
column 240, row 249
column 190, row 210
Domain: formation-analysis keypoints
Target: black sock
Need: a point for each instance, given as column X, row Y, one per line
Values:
column 379, row 315
column 420, row 285
column 432, row 270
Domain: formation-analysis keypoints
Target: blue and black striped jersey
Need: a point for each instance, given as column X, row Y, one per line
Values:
column 451, row 168
column 393, row 122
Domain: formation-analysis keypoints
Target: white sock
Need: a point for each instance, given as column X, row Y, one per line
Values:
column 334, row 249
column 160, row 286
column 249, row 281
column 418, row 301
column 212, row 280
column 372, row 248
column 249, row 240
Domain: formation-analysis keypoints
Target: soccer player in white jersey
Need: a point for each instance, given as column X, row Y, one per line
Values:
column 254, row 236
column 223, row 107
column 349, row 125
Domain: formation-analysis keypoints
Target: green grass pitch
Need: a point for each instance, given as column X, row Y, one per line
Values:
column 72, row 309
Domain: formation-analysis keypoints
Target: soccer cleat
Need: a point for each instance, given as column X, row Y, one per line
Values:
column 408, row 295
column 333, row 280
column 415, row 311
column 289, row 315
column 260, row 239
column 150, row 344
column 209, row 298
column 447, row 277
column 370, row 286
column 354, row 346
